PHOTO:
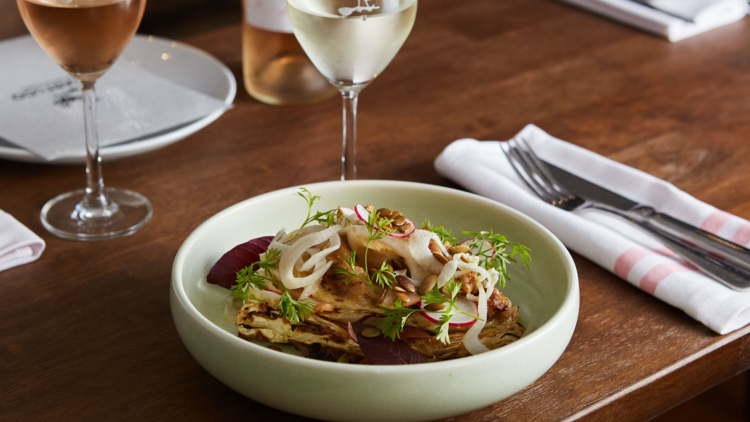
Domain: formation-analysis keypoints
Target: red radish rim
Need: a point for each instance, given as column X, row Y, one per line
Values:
column 403, row 235
column 471, row 321
column 348, row 212
column 272, row 291
column 350, row 330
column 486, row 244
column 361, row 212
column 364, row 215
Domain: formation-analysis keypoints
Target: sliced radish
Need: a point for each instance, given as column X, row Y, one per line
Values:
column 350, row 330
column 364, row 216
column 362, row 213
column 487, row 246
column 270, row 294
column 349, row 214
column 457, row 320
column 398, row 235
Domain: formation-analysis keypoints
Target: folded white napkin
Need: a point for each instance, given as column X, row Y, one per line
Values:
column 673, row 19
column 18, row 245
column 603, row 238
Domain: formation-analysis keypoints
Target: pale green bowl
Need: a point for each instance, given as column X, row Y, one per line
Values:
column 547, row 295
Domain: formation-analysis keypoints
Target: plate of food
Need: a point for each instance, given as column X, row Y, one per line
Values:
column 374, row 300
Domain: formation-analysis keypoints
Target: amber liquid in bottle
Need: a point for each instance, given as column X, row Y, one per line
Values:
column 275, row 68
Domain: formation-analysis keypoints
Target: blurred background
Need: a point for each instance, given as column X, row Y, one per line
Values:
column 165, row 18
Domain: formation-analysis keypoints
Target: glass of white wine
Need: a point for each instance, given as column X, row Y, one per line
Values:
column 85, row 37
column 351, row 42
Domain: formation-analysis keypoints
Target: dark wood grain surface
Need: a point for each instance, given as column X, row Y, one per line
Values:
column 86, row 332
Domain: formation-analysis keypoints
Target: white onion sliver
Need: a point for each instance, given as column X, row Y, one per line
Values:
column 319, row 255
column 313, row 287
column 471, row 338
column 288, row 259
column 419, row 248
column 449, row 270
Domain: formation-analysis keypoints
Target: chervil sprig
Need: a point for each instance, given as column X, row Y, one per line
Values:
column 327, row 217
column 255, row 275
column 444, row 234
column 292, row 310
column 395, row 319
column 383, row 276
column 500, row 258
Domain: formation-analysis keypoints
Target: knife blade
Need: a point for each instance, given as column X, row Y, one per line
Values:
column 691, row 235
column 590, row 191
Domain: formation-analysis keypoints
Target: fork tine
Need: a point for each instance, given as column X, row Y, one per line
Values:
column 511, row 152
column 533, row 169
column 541, row 168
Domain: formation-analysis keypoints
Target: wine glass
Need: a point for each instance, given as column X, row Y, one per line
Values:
column 351, row 42
column 85, row 37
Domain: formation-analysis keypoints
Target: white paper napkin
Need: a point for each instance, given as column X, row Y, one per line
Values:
column 18, row 245
column 605, row 239
column 673, row 19
column 41, row 110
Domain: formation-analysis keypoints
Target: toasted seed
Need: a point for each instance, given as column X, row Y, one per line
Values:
column 403, row 296
column 370, row 208
column 276, row 348
column 344, row 359
column 464, row 259
column 385, row 212
column 404, row 228
column 459, row 249
column 399, row 221
column 371, row 332
column 326, row 246
column 433, row 246
column 324, row 307
column 395, row 214
column 434, row 307
column 440, row 257
column 399, row 289
column 405, row 283
column 427, row 284
column 444, row 291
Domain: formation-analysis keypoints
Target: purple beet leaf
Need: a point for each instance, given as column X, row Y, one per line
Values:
column 224, row 272
column 382, row 351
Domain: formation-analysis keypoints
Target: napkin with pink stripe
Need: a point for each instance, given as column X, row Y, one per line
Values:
column 605, row 239
column 18, row 244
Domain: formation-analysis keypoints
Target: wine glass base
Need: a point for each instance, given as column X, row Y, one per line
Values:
column 127, row 212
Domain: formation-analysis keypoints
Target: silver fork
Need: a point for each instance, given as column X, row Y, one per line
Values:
column 717, row 259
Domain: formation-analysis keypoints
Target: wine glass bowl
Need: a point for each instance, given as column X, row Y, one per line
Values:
column 351, row 42
column 85, row 37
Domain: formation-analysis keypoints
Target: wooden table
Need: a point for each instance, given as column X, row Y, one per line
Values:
column 86, row 331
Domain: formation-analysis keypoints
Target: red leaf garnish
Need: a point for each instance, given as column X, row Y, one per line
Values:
column 382, row 351
column 224, row 272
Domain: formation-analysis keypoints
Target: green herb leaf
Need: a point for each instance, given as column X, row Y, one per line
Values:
column 328, row 218
column 395, row 320
column 292, row 310
column 256, row 276
column 501, row 257
column 444, row 234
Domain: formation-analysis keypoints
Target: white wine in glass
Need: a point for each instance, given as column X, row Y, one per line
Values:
column 85, row 37
column 351, row 42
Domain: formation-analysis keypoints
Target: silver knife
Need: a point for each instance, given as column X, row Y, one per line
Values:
column 687, row 240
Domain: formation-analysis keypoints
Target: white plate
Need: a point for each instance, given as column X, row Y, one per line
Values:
column 185, row 65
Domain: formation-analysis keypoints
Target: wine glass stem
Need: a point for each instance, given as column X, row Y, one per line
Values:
column 95, row 199
column 349, row 155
